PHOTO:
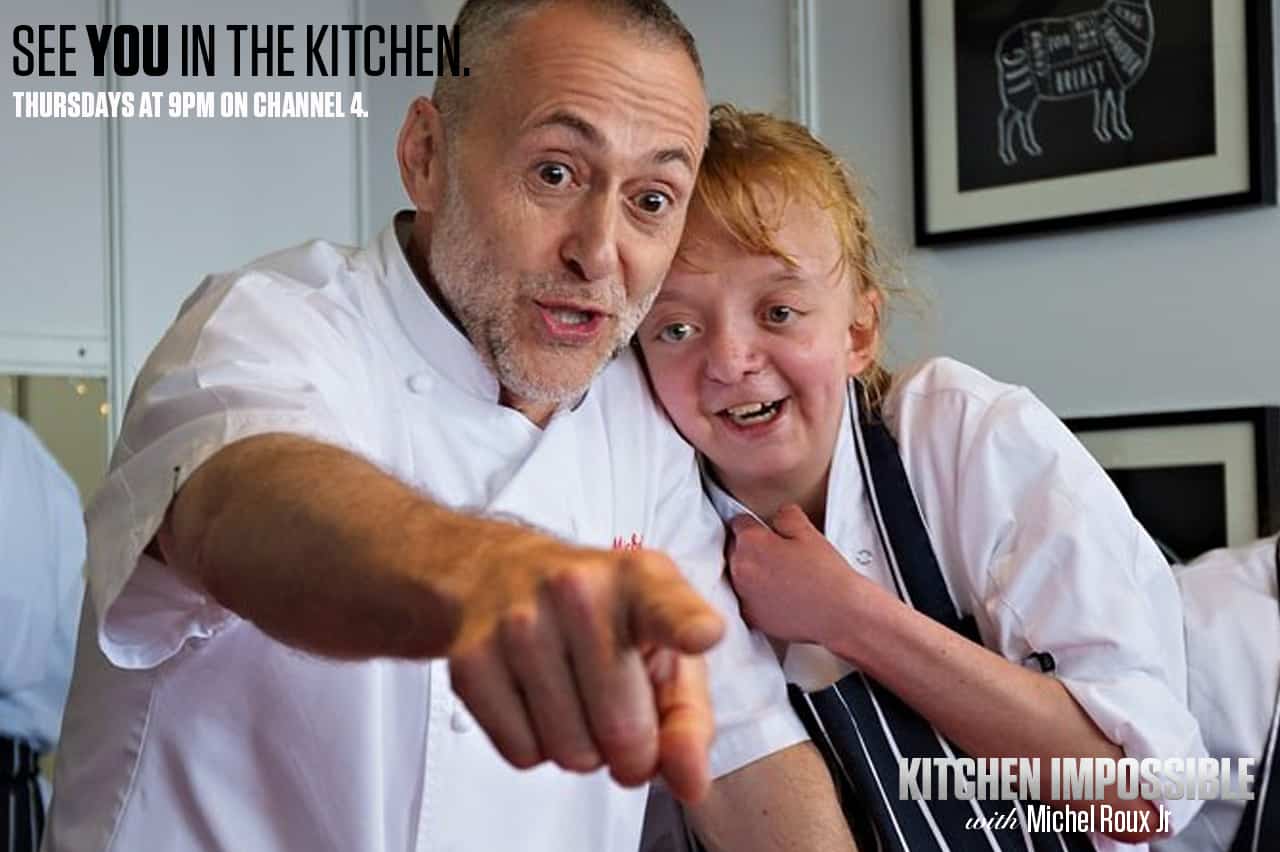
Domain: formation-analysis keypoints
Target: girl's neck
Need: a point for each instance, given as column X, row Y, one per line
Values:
column 808, row 490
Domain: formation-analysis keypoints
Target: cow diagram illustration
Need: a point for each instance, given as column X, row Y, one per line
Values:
column 1099, row 54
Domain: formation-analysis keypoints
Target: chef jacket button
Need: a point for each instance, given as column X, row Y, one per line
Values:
column 420, row 382
column 862, row 557
column 460, row 722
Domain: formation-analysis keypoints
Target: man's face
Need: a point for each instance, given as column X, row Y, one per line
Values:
column 566, row 191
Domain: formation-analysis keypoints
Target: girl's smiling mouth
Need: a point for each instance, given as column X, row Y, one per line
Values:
column 752, row 413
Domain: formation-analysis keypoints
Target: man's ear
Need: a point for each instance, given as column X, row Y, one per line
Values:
column 864, row 331
column 420, row 150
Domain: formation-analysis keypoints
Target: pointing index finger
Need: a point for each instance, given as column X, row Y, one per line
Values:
column 686, row 727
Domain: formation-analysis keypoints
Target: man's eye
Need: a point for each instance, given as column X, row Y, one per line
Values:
column 675, row 332
column 554, row 174
column 653, row 202
column 780, row 314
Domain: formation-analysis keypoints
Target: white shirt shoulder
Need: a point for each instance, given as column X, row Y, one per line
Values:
column 278, row 345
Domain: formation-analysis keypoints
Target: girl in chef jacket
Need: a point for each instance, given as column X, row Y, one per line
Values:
column 1059, row 631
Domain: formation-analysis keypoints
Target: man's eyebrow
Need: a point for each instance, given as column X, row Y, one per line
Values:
column 589, row 134
column 575, row 123
column 675, row 155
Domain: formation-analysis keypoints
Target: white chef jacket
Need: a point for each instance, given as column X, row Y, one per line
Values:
column 1035, row 542
column 189, row 729
column 1232, row 623
column 41, row 557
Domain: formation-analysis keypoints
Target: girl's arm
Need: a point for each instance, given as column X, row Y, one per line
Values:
column 796, row 586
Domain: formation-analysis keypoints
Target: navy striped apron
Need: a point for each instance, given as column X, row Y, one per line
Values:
column 21, row 807
column 1262, row 813
column 862, row 729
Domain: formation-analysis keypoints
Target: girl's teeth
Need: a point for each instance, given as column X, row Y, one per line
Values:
column 759, row 412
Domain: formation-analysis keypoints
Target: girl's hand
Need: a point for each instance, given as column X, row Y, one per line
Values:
column 793, row 584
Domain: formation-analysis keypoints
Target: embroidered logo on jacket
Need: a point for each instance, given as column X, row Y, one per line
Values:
column 634, row 543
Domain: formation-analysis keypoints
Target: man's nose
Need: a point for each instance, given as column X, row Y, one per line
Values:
column 732, row 355
column 591, row 248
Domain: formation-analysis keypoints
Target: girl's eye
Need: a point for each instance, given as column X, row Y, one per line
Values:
column 780, row 314
column 653, row 203
column 554, row 174
column 675, row 332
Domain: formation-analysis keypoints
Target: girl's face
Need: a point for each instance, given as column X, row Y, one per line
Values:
column 750, row 356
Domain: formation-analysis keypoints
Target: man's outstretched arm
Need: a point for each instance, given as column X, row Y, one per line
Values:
column 565, row 654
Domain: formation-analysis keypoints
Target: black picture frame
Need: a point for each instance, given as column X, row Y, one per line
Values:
column 966, row 190
column 1195, row 479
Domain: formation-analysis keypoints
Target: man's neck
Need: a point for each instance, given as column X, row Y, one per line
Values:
column 416, row 254
column 537, row 413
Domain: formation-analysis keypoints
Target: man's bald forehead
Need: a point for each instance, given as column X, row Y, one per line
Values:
column 483, row 26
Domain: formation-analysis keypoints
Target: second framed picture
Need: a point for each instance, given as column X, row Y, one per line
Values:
column 1039, row 114
column 1196, row 480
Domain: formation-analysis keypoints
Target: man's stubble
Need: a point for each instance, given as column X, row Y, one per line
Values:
column 486, row 303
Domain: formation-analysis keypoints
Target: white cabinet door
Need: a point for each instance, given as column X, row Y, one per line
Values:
column 53, row 316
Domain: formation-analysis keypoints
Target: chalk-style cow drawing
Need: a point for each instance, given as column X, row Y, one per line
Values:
column 1100, row 54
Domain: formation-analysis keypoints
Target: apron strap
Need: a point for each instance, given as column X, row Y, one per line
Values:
column 904, row 537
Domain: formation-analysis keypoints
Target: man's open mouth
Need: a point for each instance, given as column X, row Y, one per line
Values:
column 568, row 316
column 572, row 324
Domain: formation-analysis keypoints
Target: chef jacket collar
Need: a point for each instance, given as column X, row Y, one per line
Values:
column 726, row 505
column 441, row 344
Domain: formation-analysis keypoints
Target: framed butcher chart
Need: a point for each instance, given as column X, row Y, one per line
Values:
column 1039, row 114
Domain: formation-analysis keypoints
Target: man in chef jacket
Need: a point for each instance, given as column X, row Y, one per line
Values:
column 396, row 551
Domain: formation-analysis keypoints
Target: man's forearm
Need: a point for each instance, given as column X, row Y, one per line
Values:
column 546, row 641
column 785, row 801
column 314, row 545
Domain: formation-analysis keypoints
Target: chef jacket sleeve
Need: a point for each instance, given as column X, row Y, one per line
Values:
column 1060, row 567
column 250, row 353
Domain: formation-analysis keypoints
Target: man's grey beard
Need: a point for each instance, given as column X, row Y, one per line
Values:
column 466, row 274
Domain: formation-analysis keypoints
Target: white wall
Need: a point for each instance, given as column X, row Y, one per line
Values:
column 1170, row 314
column 744, row 45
